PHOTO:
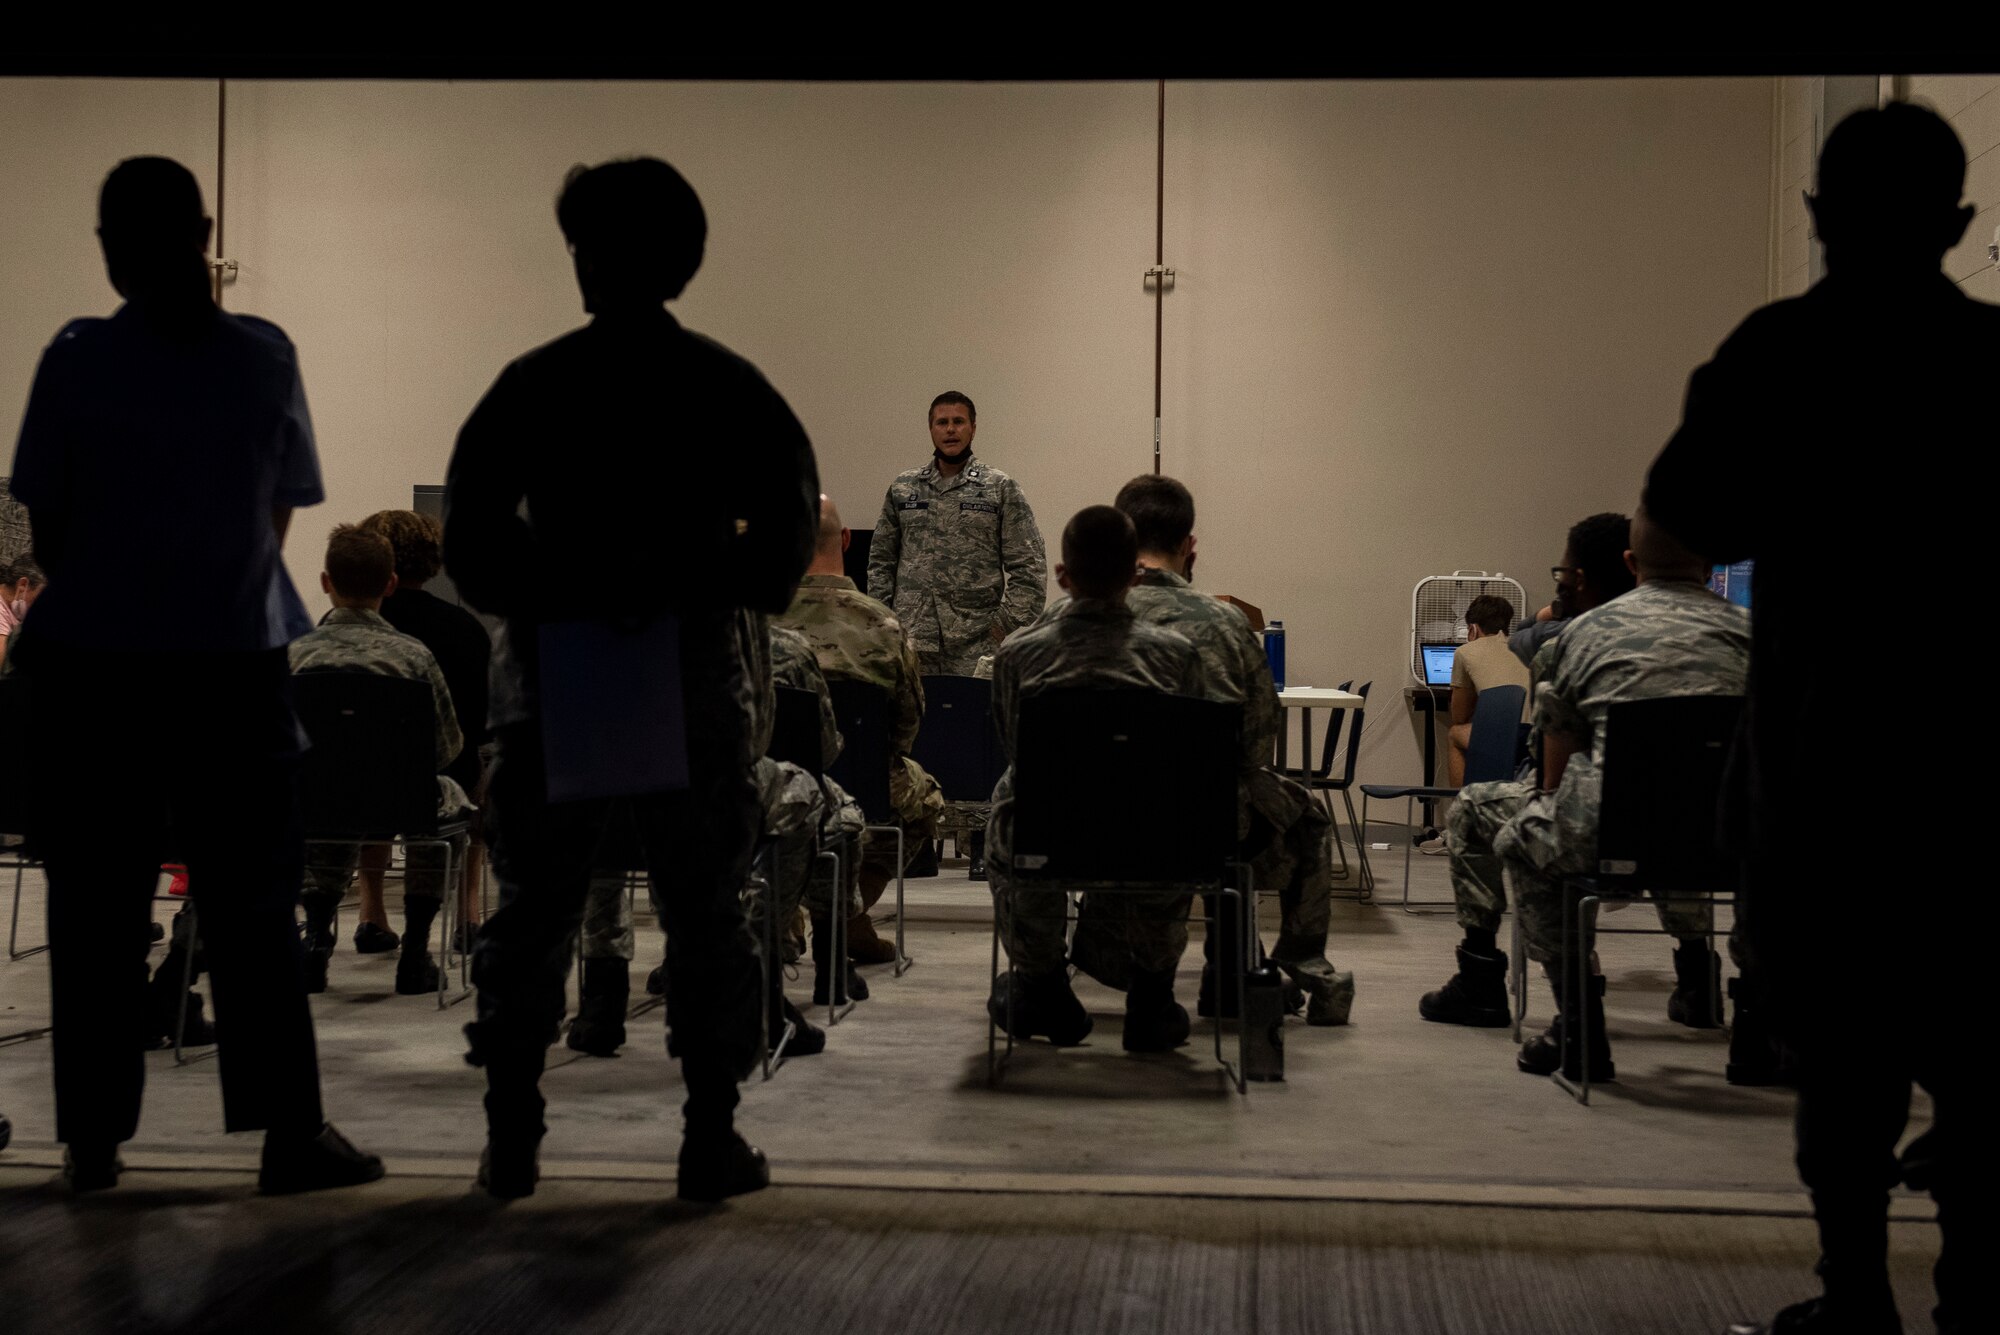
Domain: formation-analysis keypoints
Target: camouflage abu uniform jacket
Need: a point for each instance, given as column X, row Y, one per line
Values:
column 856, row 638
column 957, row 557
column 354, row 639
column 1664, row 638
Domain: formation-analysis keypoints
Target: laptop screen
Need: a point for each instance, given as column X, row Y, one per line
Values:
column 1437, row 664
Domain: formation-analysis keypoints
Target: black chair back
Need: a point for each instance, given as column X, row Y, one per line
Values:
column 1663, row 763
column 1496, row 734
column 372, row 767
column 864, row 713
column 1354, row 718
column 795, row 734
column 959, row 745
column 14, row 774
column 1125, row 785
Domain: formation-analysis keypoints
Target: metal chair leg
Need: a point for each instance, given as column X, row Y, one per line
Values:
column 1359, row 829
column 187, row 982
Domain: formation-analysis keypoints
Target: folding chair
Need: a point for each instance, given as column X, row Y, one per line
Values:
column 370, row 778
column 959, row 746
column 1490, row 755
column 864, row 713
column 1323, row 781
column 1663, row 765
column 1126, row 791
column 795, row 739
column 14, row 810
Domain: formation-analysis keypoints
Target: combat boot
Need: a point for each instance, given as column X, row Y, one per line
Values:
column 1818, row 1316
column 1042, row 1004
column 1756, row 1057
column 602, row 994
column 1561, row 1049
column 1697, row 998
column 319, row 937
column 808, row 1039
column 924, row 864
column 509, row 1166
column 849, row 987
column 1295, row 996
column 1476, row 995
column 1154, row 1021
column 977, row 871
column 1329, row 998
column 715, row 1162
column 864, row 946
column 416, row 972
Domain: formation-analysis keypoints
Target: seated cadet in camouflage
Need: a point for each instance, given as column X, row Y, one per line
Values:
column 856, row 638
column 1094, row 642
column 1668, row 637
column 956, row 552
column 1282, row 831
column 360, row 572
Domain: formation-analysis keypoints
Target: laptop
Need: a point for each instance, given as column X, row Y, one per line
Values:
column 1437, row 663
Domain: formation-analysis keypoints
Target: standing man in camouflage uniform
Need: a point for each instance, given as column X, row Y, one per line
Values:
column 856, row 638
column 1094, row 641
column 1282, row 830
column 638, row 408
column 354, row 637
column 1670, row 636
column 956, row 552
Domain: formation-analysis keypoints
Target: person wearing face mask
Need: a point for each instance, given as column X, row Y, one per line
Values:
column 25, row 583
column 956, row 554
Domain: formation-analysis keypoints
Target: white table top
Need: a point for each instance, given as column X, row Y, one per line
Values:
column 1318, row 697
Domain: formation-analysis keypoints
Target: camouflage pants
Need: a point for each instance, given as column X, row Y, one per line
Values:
column 955, row 660
column 802, row 818
column 919, row 807
column 1143, row 931
column 330, row 868
column 1509, row 835
column 607, row 919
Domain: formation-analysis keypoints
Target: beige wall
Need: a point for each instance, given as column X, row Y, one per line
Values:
column 1972, row 104
column 1418, row 326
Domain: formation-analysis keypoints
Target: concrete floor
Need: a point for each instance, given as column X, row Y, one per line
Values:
column 1388, row 1109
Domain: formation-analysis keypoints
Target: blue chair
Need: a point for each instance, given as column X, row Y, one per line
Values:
column 1490, row 755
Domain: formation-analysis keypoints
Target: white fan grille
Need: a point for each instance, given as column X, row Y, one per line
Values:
column 1438, row 603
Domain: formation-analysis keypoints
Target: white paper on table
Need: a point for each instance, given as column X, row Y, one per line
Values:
column 614, row 723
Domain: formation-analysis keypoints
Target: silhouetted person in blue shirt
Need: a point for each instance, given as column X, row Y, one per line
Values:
column 1824, row 442
column 171, row 436
column 629, row 471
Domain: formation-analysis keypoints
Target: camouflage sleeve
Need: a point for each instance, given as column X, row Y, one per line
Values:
column 450, row 739
column 909, row 699
column 1006, row 682
column 1555, row 706
column 884, row 550
column 1023, row 560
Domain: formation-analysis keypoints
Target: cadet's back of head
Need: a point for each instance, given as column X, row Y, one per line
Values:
column 637, row 230
column 1659, row 555
column 359, row 564
column 151, row 221
column 1161, row 510
column 1597, row 547
column 1100, row 553
column 1889, row 184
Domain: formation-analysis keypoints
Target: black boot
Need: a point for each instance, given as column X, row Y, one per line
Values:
column 1756, row 1057
column 602, row 994
column 1043, row 1004
column 925, row 863
column 508, row 1167
column 715, row 1162
column 851, row 986
column 808, row 1039
column 416, row 972
column 978, row 869
column 1561, row 1049
column 1818, row 1316
column 1154, row 1021
column 1697, row 998
column 1476, row 995
column 319, row 939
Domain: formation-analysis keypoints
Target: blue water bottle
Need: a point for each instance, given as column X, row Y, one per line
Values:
column 1274, row 651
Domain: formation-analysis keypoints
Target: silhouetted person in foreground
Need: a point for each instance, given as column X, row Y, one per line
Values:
column 667, row 470
column 1821, row 443
column 172, row 431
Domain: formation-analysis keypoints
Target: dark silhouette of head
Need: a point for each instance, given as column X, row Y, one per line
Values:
column 1100, row 554
column 1593, row 564
column 154, row 230
column 636, row 229
column 1889, row 185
